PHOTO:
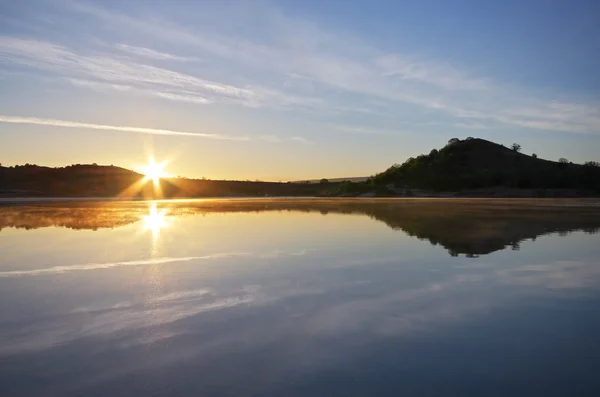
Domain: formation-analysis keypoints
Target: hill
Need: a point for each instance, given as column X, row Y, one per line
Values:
column 73, row 180
column 477, row 163
column 91, row 180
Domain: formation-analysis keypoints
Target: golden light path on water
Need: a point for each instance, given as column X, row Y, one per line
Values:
column 155, row 221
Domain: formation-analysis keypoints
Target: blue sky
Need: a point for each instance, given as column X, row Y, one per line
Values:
column 294, row 89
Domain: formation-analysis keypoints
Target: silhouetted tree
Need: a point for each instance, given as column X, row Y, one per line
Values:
column 534, row 156
column 516, row 147
column 324, row 181
column 563, row 160
column 587, row 164
column 453, row 141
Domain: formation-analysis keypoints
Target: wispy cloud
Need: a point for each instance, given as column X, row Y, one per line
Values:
column 96, row 85
column 117, row 71
column 140, row 130
column 359, row 129
column 75, row 124
column 299, row 139
column 436, row 74
column 302, row 67
column 352, row 66
column 179, row 96
column 152, row 54
column 473, row 126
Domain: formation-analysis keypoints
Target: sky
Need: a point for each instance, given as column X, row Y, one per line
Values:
column 288, row 90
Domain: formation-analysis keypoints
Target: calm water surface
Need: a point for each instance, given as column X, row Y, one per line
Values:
column 300, row 298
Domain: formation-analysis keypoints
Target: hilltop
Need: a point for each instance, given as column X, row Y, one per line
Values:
column 478, row 165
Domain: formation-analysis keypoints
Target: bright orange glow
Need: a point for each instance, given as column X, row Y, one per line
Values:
column 154, row 171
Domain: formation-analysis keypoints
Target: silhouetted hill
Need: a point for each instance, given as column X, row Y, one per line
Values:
column 477, row 163
column 91, row 180
column 81, row 179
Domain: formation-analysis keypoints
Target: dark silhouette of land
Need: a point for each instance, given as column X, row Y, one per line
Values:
column 84, row 180
column 471, row 168
column 479, row 167
column 471, row 227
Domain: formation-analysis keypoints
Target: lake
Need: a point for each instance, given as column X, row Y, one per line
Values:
column 300, row 297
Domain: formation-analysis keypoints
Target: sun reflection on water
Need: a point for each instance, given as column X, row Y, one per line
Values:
column 155, row 221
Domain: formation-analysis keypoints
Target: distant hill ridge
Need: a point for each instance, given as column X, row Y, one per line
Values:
column 91, row 180
column 460, row 167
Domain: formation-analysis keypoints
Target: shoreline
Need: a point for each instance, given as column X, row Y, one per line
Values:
column 571, row 201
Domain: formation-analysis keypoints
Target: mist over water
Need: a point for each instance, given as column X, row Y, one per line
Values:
column 300, row 297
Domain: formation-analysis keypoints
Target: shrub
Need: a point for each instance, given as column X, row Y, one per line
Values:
column 516, row 147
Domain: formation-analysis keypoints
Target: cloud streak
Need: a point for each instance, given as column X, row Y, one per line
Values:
column 152, row 54
column 95, row 266
column 105, row 127
column 145, row 262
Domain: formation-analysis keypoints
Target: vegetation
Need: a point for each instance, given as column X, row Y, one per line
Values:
column 477, row 163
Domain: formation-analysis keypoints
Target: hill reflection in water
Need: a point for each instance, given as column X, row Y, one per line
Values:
column 469, row 227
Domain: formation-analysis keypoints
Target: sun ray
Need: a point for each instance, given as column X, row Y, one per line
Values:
column 154, row 171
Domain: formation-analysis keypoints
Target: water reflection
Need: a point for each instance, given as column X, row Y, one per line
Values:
column 468, row 227
column 321, row 298
column 155, row 221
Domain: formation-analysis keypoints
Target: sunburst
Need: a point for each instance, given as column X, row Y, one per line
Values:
column 154, row 171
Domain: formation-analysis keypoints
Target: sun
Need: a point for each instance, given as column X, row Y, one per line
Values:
column 154, row 171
